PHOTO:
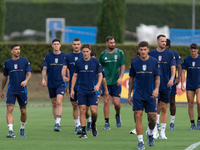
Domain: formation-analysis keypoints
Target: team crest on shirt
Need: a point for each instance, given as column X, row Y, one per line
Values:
column 15, row 66
column 193, row 63
column 144, row 67
column 159, row 58
column 56, row 60
column 76, row 58
column 115, row 56
column 86, row 67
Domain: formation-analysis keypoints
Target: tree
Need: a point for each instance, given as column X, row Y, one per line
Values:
column 111, row 20
column 2, row 18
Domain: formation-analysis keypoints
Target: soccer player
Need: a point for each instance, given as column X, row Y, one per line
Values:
column 176, row 82
column 52, row 67
column 113, row 62
column 86, row 69
column 167, row 64
column 145, row 77
column 19, row 71
column 69, row 63
column 192, row 65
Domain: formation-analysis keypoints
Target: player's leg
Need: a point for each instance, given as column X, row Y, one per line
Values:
column 158, row 115
column 172, row 107
column 152, row 123
column 163, row 119
column 75, row 112
column 106, row 105
column 197, row 92
column 10, row 102
column 59, row 110
column 23, row 120
column 115, row 93
column 52, row 96
column 134, row 130
column 190, row 99
column 89, row 120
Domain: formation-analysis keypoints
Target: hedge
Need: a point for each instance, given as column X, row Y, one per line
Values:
column 35, row 52
column 21, row 16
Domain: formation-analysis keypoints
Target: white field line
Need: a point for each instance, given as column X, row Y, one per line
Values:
column 193, row 146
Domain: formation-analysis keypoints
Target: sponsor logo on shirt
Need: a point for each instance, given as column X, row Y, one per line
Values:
column 56, row 60
column 76, row 58
column 193, row 63
column 159, row 58
column 144, row 67
column 86, row 67
column 15, row 66
column 105, row 58
column 115, row 56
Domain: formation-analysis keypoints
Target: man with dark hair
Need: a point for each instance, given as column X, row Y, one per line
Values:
column 192, row 65
column 19, row 71
column 113, row 62
column 52, row 67
column 86, row 69
column 176, row 82
column 167, row 64
column 144, row 71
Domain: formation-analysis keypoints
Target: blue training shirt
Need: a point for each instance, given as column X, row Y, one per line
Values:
column 87, row 71
column 144, row 73
column 54, row 64
column 165, row 59
column 70, row 62
column 193, row 72
column 16, row 69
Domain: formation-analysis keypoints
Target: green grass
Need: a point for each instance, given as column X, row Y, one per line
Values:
column 40, row 134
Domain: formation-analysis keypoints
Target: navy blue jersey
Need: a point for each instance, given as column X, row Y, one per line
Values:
column 193, row 72
column 16, row 69
column 103, row 75
column 177, row 58
column 54, row 64
column 130, row 71
column 87, row 71
column 165, row 59
column 70, row 63
column 144, row 73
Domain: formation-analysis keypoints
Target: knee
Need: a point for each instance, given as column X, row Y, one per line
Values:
column 163, row 109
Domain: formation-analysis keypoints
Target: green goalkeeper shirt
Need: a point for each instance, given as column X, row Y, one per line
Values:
column 111, row 63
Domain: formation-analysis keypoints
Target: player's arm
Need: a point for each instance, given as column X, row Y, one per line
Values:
column 183, row 79
column 67, row 88
column 97, row 86
column 119, row 81
column 105, row 86
column 73, row 82
column 131, row 84
column 3, row 84
column 44, row 74
column 64, row 71
column 179, row 68
column 28, row 77
column 173, row 72
column 157, row 85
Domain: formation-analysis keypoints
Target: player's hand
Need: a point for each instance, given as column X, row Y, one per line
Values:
column 119, row 82
column 96, row 88
column 170, row 83
column 106, row 93
column 2, row 94
column 67, row 91
column 182, row 87
column 23, row 84
column 155, row 93
column 44, row 83
column 177, row 81
column 65, row 79
column 72, row 94
column 130, row 100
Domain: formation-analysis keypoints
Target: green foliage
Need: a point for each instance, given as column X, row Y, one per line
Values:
column 2, row 18
column 111, row 20
column 35, row 52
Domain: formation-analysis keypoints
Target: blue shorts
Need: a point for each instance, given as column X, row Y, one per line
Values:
column 53, row 92
column 149, row 105
column 87, row 98
column 173, row 91
column 164, row 95
column 21, row 98
column 113, row 90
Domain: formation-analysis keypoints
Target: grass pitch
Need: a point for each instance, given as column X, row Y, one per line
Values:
column 40, row 134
